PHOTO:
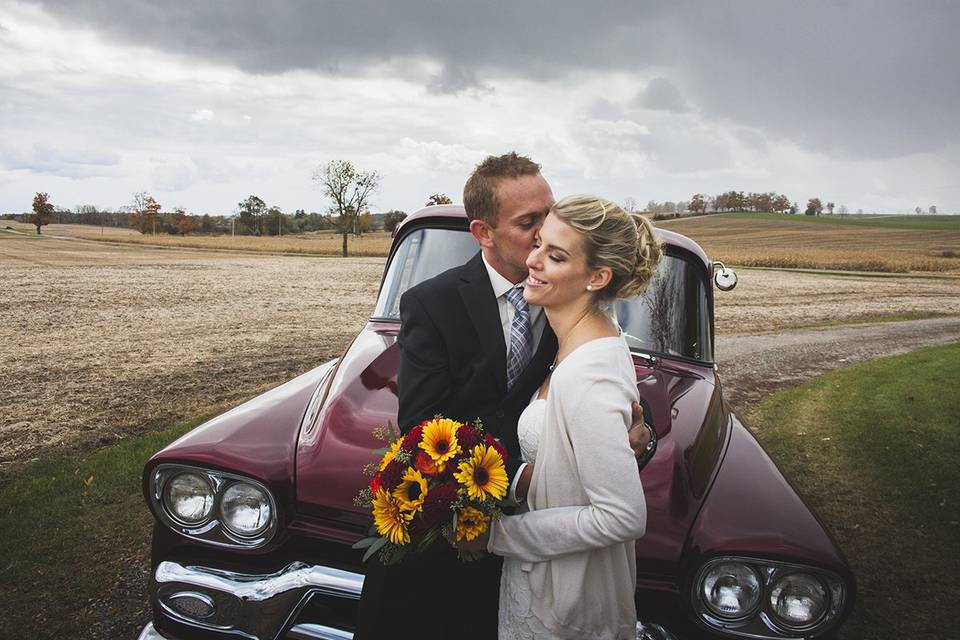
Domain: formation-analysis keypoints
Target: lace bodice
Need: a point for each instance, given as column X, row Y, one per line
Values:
column 529, row 427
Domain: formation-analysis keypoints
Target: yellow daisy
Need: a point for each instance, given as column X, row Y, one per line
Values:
column 411, row 491
column 390, row 455
column 391, row 521
column 439, row 440
column 483, row 474
column 471, row 523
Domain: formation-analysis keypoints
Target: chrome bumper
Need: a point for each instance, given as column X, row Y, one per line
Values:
column 261, row 606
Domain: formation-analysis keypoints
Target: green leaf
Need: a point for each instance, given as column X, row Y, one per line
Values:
column 428, row 539
column 376, row 546
column 366, row 542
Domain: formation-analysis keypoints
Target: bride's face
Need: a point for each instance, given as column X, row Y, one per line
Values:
column 558, row 271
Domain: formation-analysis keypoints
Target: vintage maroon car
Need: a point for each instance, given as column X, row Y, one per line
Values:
column 255, row 515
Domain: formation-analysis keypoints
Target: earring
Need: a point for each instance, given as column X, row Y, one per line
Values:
column 589, row 287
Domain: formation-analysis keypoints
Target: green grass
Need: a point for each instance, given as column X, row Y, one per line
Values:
column 68, row 526
column 889, row 222
column 875, row 449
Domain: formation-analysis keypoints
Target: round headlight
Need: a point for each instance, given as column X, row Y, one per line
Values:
column 798, row 600
column 246, row 509
column 731, row 590
column 188, row 498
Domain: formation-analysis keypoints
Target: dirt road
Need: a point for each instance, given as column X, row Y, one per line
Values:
column 754, row 366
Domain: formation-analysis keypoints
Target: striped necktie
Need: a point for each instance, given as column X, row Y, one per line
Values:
column 521, row 336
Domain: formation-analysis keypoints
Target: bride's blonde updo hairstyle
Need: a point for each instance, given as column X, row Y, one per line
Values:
column 623, row 242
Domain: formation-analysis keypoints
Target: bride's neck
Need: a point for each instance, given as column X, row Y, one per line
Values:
column 564, row 321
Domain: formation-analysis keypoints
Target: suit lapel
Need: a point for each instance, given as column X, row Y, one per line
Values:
column 477, row 294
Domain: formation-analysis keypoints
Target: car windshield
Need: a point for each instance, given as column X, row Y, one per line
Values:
column 671, row 318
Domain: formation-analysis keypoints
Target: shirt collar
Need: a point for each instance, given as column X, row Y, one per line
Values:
column 500, row 284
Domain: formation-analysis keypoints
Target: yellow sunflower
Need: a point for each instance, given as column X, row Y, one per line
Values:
column 391, row 521
column 483, row 474
column 471, row 523
column 439, row 440
column 411, row 491
column 390, row 455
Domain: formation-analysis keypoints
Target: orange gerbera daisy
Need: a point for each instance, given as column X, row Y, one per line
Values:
column 440, row 440
column 484, row 474
column 471, row 523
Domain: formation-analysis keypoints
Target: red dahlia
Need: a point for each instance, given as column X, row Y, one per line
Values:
column 411, row 441
column 468, row 436
column 493, row 442
column 391, row 476
column 436, row 506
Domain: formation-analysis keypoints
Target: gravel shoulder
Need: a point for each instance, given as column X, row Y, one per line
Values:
column 754, row 366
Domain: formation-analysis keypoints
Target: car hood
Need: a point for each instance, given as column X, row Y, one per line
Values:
column 337, row 442
column 255, row 439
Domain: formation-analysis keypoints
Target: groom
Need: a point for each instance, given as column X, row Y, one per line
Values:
column 470, row 347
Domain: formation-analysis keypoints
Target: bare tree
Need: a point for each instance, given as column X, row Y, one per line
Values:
column 629, row 204
column 350, row 190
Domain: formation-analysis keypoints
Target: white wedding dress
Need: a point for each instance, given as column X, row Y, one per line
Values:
column 517, row 621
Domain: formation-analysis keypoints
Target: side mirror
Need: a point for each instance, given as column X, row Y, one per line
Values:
column 724, row 278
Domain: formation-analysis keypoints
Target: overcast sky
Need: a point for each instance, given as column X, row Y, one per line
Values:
column 204, row 103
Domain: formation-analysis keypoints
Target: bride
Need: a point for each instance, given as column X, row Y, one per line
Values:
column 569, row 566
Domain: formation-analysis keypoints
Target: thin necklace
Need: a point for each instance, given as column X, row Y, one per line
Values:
column 566, row 336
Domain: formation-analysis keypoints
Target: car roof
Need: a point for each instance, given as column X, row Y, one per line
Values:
column 456, row 211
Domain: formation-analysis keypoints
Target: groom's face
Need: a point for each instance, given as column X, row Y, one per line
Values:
column 523, row 204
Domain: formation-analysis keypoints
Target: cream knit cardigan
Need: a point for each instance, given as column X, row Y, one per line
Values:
column 585, row 498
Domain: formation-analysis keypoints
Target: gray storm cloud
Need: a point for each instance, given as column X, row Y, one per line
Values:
column 861, row 78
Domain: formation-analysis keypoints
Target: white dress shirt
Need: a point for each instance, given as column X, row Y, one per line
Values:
column 538, row 320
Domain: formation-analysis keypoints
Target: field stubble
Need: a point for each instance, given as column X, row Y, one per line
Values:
column 98, row 341
column 787, row 242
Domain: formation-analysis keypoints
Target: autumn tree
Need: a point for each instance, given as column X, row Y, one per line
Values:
column 391, row 219
column 438, row 198
column 349, row 189
column 42, row 210
column 698, row 204
column 182, row 221
column 145, row 210
column 780, row 204
column 814, row 207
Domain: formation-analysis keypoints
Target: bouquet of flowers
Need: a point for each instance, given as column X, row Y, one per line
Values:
column 442, row 479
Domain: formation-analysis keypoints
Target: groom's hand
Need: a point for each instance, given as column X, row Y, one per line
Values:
column 639, row 433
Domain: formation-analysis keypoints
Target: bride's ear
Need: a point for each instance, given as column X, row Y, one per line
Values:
column 600, row 278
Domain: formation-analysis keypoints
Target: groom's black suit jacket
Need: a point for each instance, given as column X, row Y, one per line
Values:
column 452, row 363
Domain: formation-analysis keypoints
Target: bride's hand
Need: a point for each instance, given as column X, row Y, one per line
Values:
column 477, row 544
column 640, row 433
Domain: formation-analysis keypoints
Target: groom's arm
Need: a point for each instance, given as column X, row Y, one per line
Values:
column 424, row 375
column 638, row 435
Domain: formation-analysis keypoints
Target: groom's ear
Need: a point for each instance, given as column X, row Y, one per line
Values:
column 481, row 231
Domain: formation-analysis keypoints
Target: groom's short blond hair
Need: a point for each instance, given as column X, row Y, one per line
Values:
column 480, row 192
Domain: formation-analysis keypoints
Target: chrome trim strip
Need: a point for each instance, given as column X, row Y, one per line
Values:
column 253, row 605
column 317, row 632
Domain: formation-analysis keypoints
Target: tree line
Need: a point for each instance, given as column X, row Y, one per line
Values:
column 348, row 191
